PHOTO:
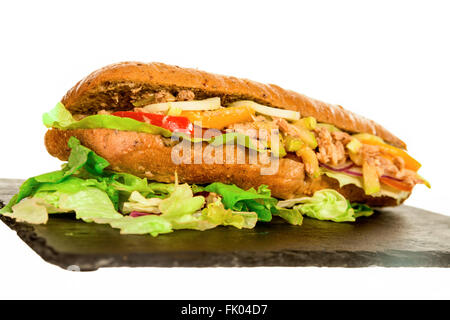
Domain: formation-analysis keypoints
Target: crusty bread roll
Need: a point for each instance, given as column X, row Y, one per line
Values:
column 115, row 87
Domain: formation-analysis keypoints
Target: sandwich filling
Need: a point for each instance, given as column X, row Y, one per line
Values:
column 134, row 205
column 373, row 164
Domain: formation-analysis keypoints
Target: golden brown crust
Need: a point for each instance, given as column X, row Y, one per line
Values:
column 149, row 156
column 111, row 87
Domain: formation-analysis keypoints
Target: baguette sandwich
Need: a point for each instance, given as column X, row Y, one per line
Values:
column 152, row 128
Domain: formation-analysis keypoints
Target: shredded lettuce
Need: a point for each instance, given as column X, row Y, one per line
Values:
column 181, row 202
column 237, row 199
column 150, row 224
column 137, row 202
column 214, row 215
column 327, row 204
column 361, row 210
column 292, row 216
column 29, row 210
column 191, row 216
column 85, row 187
column 88, row 204
column 217, row 214
column 74, row 194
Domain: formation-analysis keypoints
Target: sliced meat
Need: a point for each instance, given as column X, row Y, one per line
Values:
column 409, row 177
column 164, row 96
column 286, row 127
column 185, row 95
column 341, row 136
column 104, row 112
column 331, row 146
column 393, row 167
column 261, row 128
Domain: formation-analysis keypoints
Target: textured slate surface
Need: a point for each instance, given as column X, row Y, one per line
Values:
column 403, row 236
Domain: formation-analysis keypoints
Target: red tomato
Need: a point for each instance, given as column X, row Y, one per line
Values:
column 396, row 184
column 172, row 123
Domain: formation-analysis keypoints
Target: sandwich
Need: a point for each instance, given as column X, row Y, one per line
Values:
column 151, row 148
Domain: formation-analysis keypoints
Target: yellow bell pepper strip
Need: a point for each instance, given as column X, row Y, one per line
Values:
column 280, row 152
column 220, row 118
column 309, row 123
column 293, row 144
column 305, row 134
column 310, row 161
column 410, row 162
column 370, row 179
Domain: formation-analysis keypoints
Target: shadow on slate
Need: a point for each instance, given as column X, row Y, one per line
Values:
column 396, row 237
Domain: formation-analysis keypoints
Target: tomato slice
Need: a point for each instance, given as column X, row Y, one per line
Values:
column 396, row 184
column 172, row 123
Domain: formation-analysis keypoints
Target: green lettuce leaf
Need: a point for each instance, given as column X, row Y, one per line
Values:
column 238, row 138
column 137, row 202
column 327, row 204
column 29, row 210
column 237, row 199
column 59, row 117
column 292, row 216
column 150, row 224
column 246, row 220
column 361, row 210
column 192, row 221
column 181, row 202
column 162, row 188
column 64, row 191
column 30, row 186
column 214, row 215
column 81, row 158
column 343, row 178
column 217, row 214
column 88, row 204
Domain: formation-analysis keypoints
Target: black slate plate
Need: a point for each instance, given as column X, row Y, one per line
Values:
column 396, row 237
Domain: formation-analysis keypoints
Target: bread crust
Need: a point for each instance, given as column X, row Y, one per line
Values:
column 147, row 155
column 111, row 86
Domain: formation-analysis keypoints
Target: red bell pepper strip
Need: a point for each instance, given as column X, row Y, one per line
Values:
column 172, row 123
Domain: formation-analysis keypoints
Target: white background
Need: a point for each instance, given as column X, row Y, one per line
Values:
column 386, row 60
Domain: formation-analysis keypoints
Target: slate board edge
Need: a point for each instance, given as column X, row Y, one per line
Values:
column 290, row 258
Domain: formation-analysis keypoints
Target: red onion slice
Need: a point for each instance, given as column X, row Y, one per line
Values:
column 136, row 214
column 348, row 170
column 392, row 178
column 353, row 173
